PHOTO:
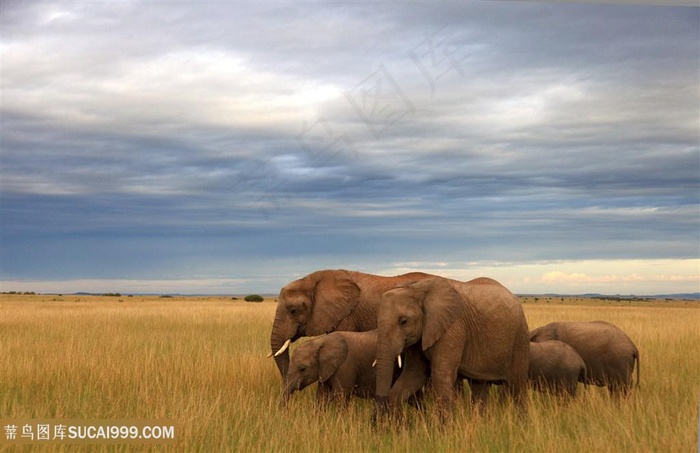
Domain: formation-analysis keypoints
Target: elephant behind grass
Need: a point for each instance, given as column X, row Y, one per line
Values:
column 341, row 363
column 609, row 354
column 555, row 367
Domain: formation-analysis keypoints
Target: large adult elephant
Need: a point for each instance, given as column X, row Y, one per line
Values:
column 608, row 352
column 325, row 301
column 476, row 330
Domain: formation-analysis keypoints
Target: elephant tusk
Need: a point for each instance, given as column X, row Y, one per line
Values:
column 398, row 358
column 269, row 354
column 284, row 347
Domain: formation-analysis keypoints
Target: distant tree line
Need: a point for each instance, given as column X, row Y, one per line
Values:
column 616, row 298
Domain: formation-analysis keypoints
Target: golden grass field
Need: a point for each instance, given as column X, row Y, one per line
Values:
column 201, row 362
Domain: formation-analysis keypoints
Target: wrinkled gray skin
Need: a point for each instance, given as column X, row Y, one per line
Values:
column 555, row 366
column 341, row 362
column 607, row 351
column 474, row 329
column 326, row 301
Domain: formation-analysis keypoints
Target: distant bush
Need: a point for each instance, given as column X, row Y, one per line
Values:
column 112, row 295
column 253, row 298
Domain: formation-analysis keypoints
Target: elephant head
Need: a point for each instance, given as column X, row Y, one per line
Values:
column 417, row 312
column 544, row 333
column 310, row 306
column 314, row 361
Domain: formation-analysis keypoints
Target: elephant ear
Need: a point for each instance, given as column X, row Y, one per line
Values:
column 333, row 352
column 335, row 296
column 441, row 306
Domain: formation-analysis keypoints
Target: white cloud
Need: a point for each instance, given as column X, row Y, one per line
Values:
column 654, row 276
column 556, row 277
column 175, row 91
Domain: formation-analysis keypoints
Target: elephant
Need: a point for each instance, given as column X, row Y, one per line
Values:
column 555, row 366
column 475, row 330
column 341, row 362
column 326, row 301
column 609, row 354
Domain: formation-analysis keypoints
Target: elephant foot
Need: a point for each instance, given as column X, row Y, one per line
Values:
column 387, row 416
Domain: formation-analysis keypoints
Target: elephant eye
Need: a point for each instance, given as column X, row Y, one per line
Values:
column 302, row 369
column 293, row 311
column 403, row 320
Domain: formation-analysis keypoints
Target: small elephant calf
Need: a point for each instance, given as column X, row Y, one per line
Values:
column 340, row 361
column 555, row 366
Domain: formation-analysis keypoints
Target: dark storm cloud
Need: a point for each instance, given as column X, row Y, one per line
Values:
column 178, row 140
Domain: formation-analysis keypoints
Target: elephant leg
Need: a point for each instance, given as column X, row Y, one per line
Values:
column 443, row 377
column 323, row 395
column 570, row 383
column 344, row 386
column 480, row 394
column 410, row 382
column 342, row 396
column 517, row 389
column 459, row 386
column 618, row 389
column 412, row 379
column 416, row 400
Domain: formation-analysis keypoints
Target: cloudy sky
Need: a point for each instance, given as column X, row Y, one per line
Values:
column 233, row 147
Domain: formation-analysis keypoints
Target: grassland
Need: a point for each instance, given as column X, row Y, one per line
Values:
column 201, row 362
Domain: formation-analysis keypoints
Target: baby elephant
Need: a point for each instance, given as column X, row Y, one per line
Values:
column 555, row 366
column 341, row 362
column 607, row 351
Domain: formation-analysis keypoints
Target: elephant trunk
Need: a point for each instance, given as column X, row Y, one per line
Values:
column 385, row 373
column 283, row 329
column 289, row 388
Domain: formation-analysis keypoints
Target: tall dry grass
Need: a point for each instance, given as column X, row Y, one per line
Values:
column 202, row 362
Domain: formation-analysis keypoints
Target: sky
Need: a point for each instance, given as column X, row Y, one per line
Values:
column 229, row 148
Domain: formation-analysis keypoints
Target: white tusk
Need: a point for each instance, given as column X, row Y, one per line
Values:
column 374, row 363
column 399, row 359
column 269, row 354
column 284, row 347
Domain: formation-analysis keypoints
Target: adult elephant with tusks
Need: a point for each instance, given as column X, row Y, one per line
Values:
column 476, row 330
column 325, row 301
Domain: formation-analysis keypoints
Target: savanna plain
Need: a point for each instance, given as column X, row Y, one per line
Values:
column 201, row 362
